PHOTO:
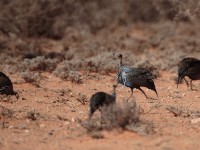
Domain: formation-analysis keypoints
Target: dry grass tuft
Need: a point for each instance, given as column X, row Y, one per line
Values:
column 82, row 98
column 124, row 116
column 39, row 64
column 30, row 77
column 32, row 115
column 5, row 112
column 182, row 112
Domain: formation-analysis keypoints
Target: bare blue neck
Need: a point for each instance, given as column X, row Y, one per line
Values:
column 120, row 62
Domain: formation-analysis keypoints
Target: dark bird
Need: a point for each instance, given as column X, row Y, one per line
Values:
column 189, row 67
column 101, row 99
column 6, row 86
column 135, row 77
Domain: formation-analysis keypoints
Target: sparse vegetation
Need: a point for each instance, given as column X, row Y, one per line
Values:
column 39, row 64
column 124, row 116
column 5, row 112
column 182, row 112
column 74, row 40
column 30, row 77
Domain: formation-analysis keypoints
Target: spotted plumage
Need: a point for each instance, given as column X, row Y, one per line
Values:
column 6, row 86
column 135, row 77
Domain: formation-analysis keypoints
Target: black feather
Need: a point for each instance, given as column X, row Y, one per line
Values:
column 189, row 67
column 135, row 78
column 101, row 99
column 6, row 86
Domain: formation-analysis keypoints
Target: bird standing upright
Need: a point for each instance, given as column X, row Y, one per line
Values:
column 135, row 77
column 189, row 67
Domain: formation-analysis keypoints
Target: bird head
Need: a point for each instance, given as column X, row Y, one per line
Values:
column 119, row 55
column 182, row 72
column 179, row 79
column 114, row 86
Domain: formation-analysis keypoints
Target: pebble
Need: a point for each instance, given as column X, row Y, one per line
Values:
column 73, row 120
column 81, row 112
column 10, row 127
column 183, row 94
column 66, row 123
column 42, row 125
column 196, row 120
column 26, row 131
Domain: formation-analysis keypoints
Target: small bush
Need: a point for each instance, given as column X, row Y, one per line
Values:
column 182, row 112
column 68, row 70
column 30, row 77
column 32, row 115
column 5, row 112
column 119, row 117
column 39, row 64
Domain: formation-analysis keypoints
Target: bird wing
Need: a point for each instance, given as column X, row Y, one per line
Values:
column 189, row 67
column 140, row 73
column 135, row 77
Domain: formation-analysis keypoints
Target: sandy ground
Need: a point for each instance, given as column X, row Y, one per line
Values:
column 48, row 47
column 55, row 123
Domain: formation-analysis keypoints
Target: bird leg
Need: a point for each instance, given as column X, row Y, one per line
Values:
column 178, row 81
column 186, row 82
column 143, row 92
column 89, row 116
column 191, row 85
column 130, row 95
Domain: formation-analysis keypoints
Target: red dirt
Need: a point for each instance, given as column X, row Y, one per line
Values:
column 50, row 132
column 60, row 52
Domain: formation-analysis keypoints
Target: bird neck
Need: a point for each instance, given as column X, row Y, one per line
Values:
column 120, row 62
column 114, row 93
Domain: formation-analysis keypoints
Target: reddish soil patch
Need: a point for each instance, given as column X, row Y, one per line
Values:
column 55, row 123
column 60, row 52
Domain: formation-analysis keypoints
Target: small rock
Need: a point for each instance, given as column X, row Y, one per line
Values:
column 42, row 125
column 73, row 110
column 26, row 131
column 10, row 127
column 73, row 120
column 22, row 126
column 51, row 132
column 183, row 94
column 66, row 123
column 196, row 120
column 81, row 112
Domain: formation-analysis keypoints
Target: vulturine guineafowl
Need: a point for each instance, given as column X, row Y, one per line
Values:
column 101, row 99
column 6, row 86
column 189, row 67
column 135, row 77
